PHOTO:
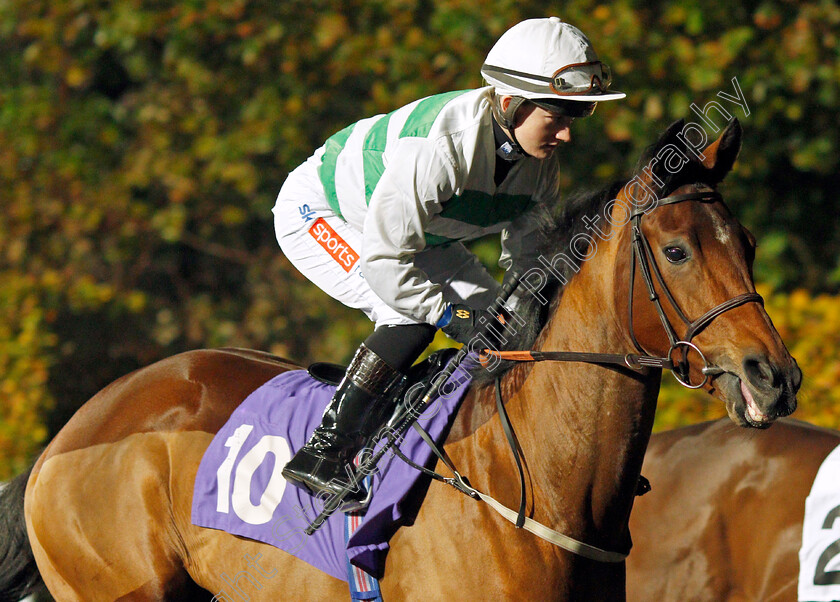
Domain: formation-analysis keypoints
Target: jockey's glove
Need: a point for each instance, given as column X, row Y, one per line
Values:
column 462, row 322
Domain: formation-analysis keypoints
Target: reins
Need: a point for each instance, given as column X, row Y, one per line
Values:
column 643, row 255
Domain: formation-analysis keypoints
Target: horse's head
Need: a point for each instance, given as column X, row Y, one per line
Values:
column 693, row 292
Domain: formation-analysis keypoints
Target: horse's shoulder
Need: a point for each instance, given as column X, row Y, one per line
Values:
column 664, row 442
column 804, row 439
column 718, row 441
column 806, row 429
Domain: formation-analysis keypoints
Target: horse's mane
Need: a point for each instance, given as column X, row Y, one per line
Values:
column 563, row 222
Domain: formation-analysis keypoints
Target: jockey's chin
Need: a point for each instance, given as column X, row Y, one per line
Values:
column 545, row 151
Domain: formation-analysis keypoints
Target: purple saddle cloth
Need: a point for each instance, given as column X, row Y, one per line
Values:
column 239, row 488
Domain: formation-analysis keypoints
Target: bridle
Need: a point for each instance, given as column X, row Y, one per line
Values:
column 642, row 256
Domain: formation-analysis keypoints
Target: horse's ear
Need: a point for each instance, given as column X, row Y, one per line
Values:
column 670, row 135
column 659, row 171
column 720, row 155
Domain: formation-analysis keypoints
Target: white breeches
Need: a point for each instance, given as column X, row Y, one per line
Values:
column 326, row 250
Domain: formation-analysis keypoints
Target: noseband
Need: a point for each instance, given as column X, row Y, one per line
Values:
column 643, row 256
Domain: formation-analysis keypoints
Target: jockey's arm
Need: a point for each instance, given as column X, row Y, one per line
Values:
column 523, row 239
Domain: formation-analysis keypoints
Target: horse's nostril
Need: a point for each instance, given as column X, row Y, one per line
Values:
column 761, row 373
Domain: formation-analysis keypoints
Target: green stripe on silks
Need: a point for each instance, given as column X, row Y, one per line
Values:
column 483, row 209
column 433, row 240
column 419, row 123
column 326, row 171
column 372, row 151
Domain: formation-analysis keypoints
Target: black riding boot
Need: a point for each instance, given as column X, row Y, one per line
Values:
column 358, row 408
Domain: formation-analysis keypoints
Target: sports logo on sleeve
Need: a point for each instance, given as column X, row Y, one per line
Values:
column 306, row 213
column 334, row 244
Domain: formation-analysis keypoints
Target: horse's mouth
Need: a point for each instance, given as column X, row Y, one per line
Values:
column 741, row 404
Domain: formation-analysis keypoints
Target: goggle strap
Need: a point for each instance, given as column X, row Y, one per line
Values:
column 504, row 75
column 502, row 70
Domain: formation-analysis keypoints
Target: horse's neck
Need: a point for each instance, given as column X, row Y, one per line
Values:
column 583, row 429
column 589, row 425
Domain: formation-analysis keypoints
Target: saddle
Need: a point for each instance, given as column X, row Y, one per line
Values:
column 239, row 488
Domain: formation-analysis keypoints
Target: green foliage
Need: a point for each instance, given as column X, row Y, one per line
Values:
column 25, row 342
column 142, row 145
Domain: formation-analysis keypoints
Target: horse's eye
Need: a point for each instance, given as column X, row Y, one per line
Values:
column 675, row 254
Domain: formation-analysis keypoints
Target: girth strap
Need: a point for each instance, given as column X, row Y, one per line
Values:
column 518, row 456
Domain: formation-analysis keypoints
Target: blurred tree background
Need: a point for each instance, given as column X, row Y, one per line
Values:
column 142, row 145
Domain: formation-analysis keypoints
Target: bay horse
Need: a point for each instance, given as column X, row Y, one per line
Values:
column 107, row 504
column 723, row 520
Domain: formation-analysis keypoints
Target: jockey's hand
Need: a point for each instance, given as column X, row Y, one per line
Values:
column 462, row 322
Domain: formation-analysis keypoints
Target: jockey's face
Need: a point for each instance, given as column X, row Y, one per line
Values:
column 540, row 132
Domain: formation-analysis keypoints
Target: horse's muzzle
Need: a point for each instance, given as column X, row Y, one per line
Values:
column 763, row 391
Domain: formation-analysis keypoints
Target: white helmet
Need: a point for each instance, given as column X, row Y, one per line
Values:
column 548, row 60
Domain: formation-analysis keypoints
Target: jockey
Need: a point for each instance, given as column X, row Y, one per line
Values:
column 376, row 217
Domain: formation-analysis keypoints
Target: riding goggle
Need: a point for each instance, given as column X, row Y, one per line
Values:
column 599, row 80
